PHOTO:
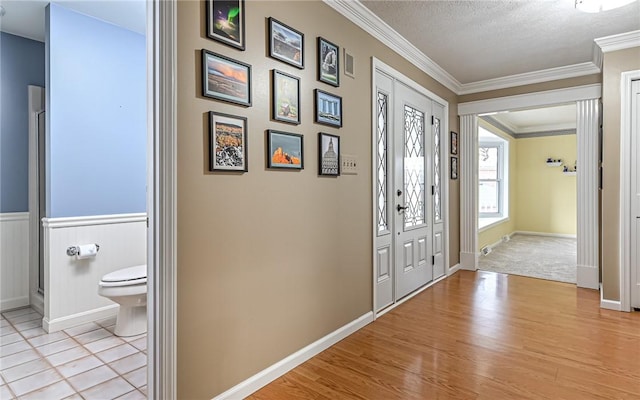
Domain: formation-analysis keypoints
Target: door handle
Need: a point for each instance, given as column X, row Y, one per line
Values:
column 400, row 208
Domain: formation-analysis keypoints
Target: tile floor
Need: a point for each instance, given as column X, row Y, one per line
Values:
column 83, row 362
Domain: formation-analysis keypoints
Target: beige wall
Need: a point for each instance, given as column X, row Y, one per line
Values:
column 547, row 199
column 614, row 64
column 270, row 261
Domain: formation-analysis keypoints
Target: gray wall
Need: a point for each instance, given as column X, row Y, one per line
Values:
column 21, row 64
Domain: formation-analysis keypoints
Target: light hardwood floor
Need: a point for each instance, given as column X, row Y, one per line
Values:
column 480, row 335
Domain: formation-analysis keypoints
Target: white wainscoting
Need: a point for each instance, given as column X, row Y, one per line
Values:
column 14, row 260
column 71, row 285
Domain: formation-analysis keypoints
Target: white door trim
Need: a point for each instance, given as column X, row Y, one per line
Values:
column 588, row 240
column 625, row 187
column 376, row 64
column 36, row 105
column 161, row 198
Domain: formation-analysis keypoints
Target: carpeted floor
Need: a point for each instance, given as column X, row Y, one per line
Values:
column 535, row 256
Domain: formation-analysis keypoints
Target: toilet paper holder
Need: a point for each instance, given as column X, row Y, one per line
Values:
column 74, row 250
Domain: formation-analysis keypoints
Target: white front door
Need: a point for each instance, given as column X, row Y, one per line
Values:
column 635, row 194
column 408, row 190
column 412, row 190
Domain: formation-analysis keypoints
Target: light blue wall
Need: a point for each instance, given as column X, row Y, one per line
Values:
column 96, row 116
column 21, row 64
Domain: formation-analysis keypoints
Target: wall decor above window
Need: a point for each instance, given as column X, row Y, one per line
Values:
column 225, row 22
column 226, row 79
column 286, row 44
column 328, row 62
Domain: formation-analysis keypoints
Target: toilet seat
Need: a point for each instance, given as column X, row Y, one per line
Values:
column 126, row 277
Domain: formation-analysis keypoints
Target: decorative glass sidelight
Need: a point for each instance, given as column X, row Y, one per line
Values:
column 414, row 178
column 381, row 160
column 437, row 187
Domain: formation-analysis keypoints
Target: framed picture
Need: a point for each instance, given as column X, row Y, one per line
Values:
column 328, row 154
column 228, row 141
column 328, row 62
column 284, row 150
column 286, row 97
column 328, row 108
column 454, row 167
column 225, row 22
column 286, row 44
column 454, row 142
column 226, row 79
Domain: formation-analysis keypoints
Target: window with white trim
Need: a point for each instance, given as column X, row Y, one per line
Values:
column 493, row 162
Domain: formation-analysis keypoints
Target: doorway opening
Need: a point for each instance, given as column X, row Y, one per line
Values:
column 527, row 195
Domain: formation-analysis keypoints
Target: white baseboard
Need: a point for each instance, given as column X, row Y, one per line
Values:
column 262, row 378
column 37, row 302
column 609, row 304
column 559, row 235
column 468, row 261
column 588, row 277
column 59, row 324
column 453, row 269
column 16, row 302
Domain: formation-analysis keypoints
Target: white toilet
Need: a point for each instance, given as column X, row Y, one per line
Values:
column 127, row 287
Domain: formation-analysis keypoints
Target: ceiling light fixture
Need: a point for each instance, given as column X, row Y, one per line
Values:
column 594, row 6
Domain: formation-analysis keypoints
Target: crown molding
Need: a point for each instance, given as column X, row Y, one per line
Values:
column 618, row 42
column 527, row 78
column 360, row 15
column 506, row 128
column 364, row 18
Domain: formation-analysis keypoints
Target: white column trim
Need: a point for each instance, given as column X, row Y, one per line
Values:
column 625, row 187
column 161, row 201
column 588, row 123
column 468, row 175
column 586, row 98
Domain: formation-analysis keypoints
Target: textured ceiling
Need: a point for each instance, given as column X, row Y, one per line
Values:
column 477, row 40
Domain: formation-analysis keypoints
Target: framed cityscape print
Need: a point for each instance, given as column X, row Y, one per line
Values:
column 285, row 150
column 228, row 141
column 286, row 97
column 225, row 79
column 328, row 108
column 225, row 22
column 328, row 154
column 328, row 62
column 286, row 44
